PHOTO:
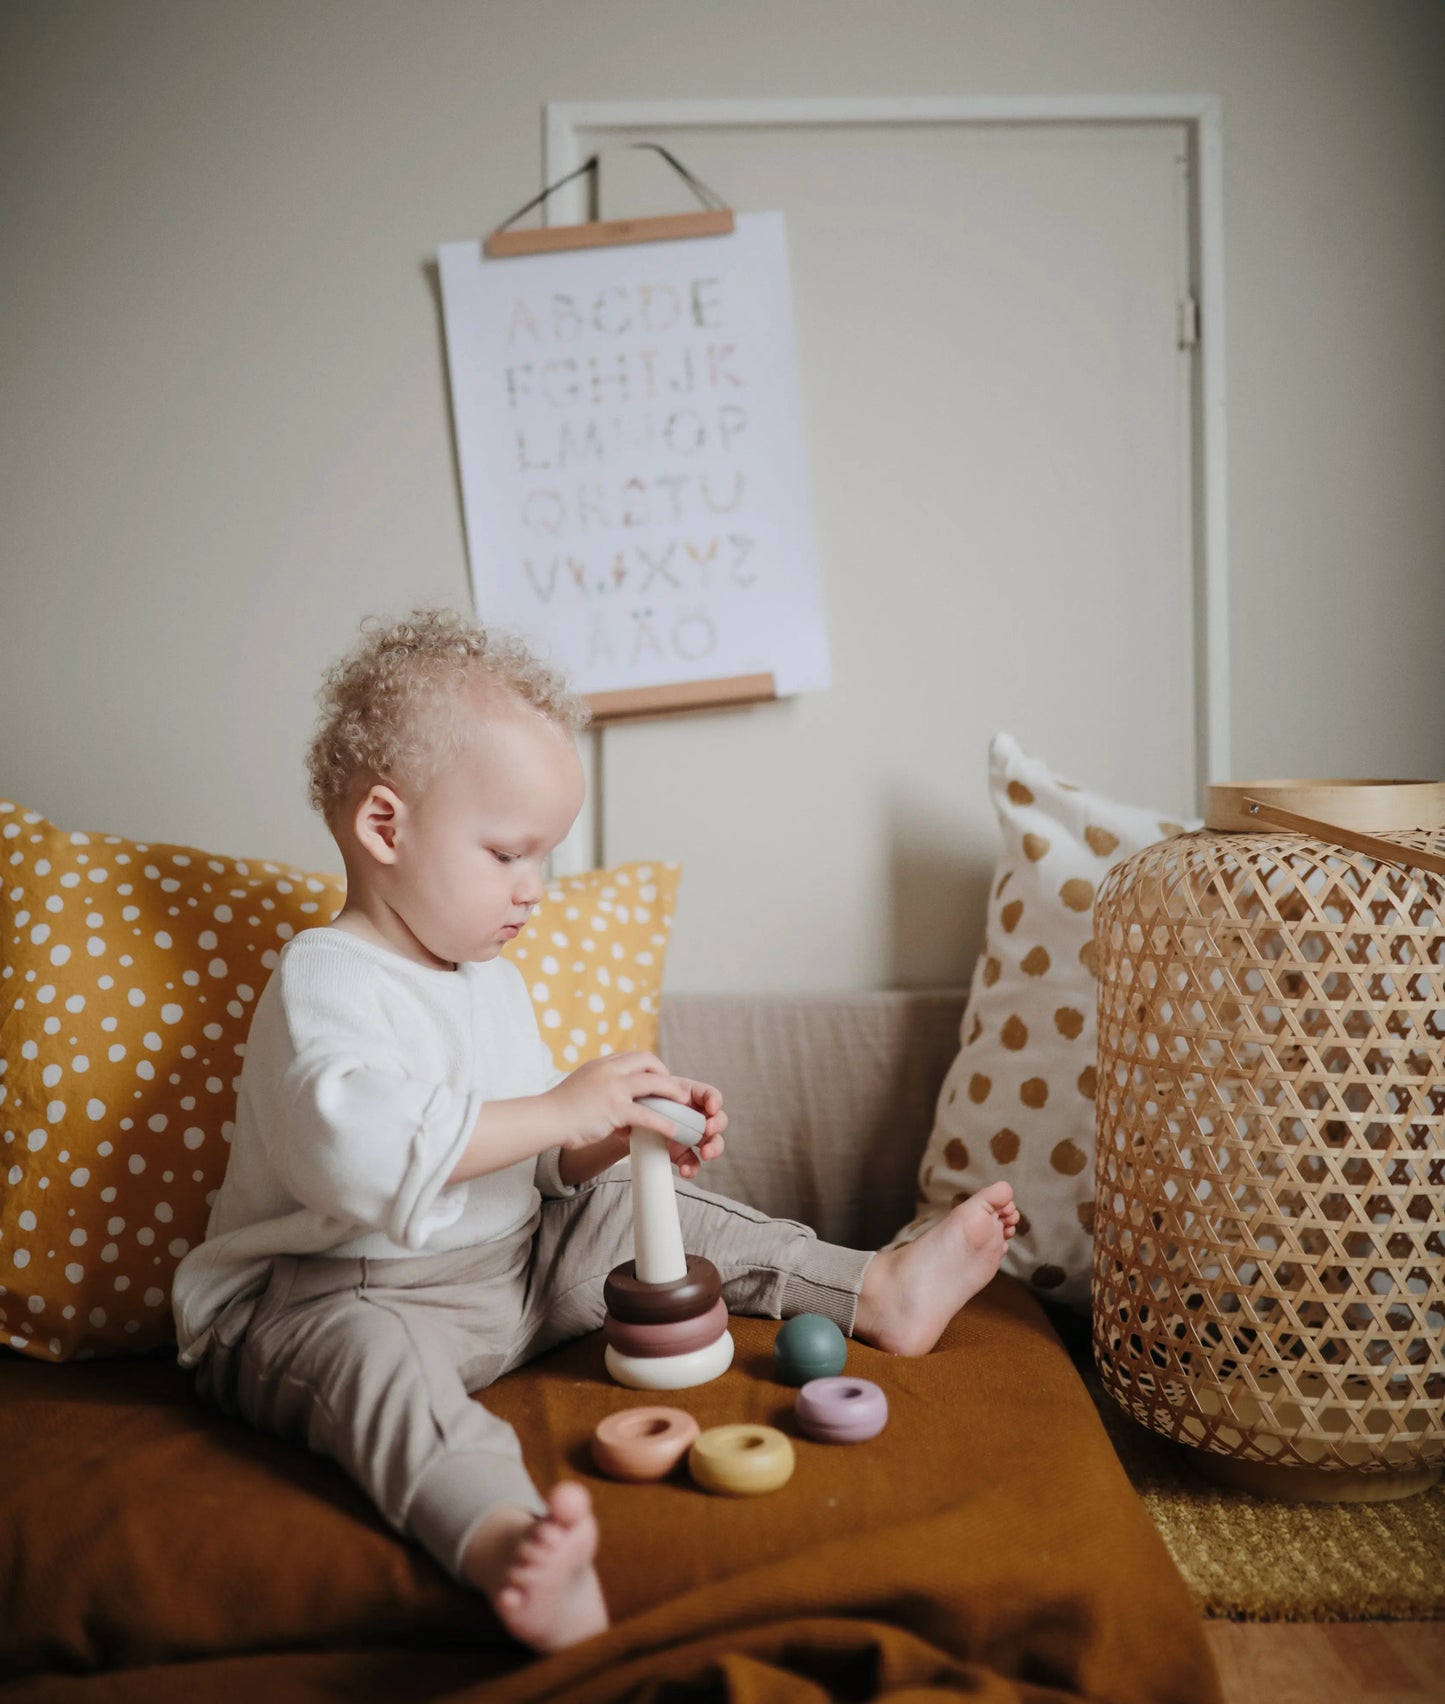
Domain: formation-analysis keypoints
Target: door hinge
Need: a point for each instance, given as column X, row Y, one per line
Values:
column 1189, row 322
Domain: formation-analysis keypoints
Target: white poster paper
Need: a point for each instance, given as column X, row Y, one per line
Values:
column 634, row 480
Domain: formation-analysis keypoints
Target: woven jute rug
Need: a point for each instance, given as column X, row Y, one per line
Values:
column 1261, row 1559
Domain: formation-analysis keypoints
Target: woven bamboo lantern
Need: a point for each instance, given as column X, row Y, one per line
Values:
column 1269, row 1233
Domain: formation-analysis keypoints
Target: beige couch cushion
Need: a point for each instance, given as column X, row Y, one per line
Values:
column 829, row 1099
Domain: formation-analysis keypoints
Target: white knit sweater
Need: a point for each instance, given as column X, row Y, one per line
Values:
column 363, row 1077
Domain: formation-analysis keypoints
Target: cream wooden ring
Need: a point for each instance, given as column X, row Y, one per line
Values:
column 742, row 1460
column 671, row 1372
column 639, row 1444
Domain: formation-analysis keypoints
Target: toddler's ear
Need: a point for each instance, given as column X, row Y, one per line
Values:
column 378, row 816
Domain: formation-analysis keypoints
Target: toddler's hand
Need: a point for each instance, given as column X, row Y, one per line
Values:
column 708, row 1101
column 599, row 1098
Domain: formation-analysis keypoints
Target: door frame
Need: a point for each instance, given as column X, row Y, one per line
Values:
column 1199, row 115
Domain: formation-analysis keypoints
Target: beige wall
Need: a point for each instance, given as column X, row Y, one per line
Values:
column 224, row 425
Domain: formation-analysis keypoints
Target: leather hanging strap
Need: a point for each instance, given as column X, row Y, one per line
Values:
column 708, row 197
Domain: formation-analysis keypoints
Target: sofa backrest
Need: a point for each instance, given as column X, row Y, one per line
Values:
column 830, row 1098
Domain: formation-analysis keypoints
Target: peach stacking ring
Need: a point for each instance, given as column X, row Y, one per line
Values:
column 741, row 1460
column 841, row 1411
column 627, row 1298
column 639, row 1444
column 674, row 1338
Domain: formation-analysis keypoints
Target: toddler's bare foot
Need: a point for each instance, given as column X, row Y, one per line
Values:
column 537, row 1570
column 910, row 1293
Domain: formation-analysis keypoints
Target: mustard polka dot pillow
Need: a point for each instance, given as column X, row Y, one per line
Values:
column 1018, row 1101
column 592, row 954
column 129, row 973
column 128, row 976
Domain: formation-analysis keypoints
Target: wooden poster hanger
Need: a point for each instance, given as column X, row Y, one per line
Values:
column 602, row 233
column 715, row 221
column 633, row 704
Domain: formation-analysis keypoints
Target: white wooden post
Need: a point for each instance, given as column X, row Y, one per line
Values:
column 656, row 1234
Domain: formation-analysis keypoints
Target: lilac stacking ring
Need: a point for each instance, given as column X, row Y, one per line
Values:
column 841, row 1411
column 675, row 1337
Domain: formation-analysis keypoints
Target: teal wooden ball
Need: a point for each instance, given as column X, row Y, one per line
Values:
column 808, row 1347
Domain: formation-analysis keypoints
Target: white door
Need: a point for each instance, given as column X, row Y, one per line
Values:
column 998, row 418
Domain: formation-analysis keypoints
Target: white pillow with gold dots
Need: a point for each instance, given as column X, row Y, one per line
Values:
column 1018, row 1101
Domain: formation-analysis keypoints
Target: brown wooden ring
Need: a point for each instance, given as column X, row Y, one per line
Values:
column 629, row 1299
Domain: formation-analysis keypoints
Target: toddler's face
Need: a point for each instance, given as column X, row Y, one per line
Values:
column 470, row 850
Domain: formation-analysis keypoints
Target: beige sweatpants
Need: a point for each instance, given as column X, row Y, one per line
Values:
column 371, row 1362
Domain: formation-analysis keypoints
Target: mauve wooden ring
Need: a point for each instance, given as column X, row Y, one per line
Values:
column 841, row 1411
column 673, row 1338
column 638, row 1444
column 636, row 1303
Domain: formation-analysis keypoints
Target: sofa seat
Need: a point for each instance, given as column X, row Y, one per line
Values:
column 986, row 1543
column 987, row 1540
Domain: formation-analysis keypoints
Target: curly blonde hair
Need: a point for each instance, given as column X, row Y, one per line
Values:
column 391, row 707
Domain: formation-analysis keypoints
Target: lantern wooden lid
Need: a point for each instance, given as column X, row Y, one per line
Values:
column 1370, row 807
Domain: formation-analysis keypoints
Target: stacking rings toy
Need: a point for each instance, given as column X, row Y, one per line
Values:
column 741, row 1460
column 639, row 1444
column 841, row 1411
column 674, row 1338
column 665, row 1320
column 634, row 1302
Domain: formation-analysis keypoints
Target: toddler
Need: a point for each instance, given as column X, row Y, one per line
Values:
column 417, row 1200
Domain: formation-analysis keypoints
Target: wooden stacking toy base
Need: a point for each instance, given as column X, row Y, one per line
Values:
column 1310, row 1484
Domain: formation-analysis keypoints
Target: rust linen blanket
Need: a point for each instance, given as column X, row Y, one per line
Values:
column 986, row 1545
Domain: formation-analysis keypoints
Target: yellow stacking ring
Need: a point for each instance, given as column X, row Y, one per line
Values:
column 742, row 1460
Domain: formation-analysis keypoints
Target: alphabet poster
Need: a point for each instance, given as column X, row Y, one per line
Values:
column 630, row 440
